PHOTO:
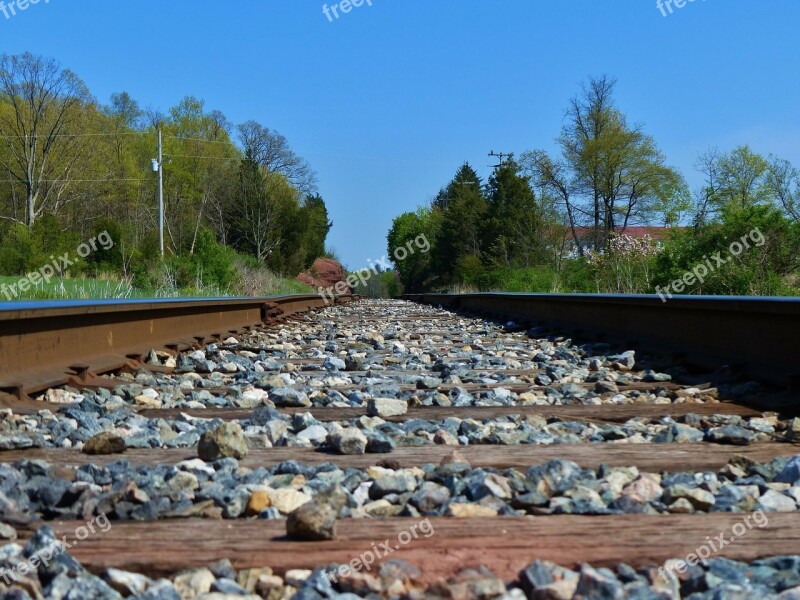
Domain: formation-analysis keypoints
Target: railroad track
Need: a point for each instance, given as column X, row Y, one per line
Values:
column 254, row 447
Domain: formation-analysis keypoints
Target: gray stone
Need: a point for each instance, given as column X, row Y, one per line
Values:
column 791, row 472
column 386, row 407
column 315, row 433
column 602, row 387
column 772, row 501
column 627, row 360
column 348, row 441
column 289, row 397
column 104, row 443
column 429, row 497
column 699, row 498
column 399, row 483
column 599, row 584
column 379, row 443
column 193, row 583
column 126, row 583
column 312, row 521
column 333, row 364
column 730, row 434
column 7, row 532
column 226, row 440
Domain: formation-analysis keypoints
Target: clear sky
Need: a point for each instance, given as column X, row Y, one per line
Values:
column 388, row 100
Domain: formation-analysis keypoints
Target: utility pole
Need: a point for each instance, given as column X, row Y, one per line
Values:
column 499, row 155
column 160, row 196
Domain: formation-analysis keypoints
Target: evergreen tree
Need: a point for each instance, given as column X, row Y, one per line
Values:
column 513, row 230
column 317, row 226
column 459, row 241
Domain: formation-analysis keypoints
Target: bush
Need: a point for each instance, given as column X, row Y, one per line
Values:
column 19, row 253
column 469, row 268
column 110, row 259
column 385, row 284
column 625, row 266
column 24, row 250
column 392, row 284
column 215, row 262
column 758, row 270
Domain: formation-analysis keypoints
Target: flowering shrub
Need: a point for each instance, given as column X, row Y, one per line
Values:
column 625, row 266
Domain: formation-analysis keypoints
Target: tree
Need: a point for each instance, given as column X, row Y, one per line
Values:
column 254, row 217
column 463, row 209
column 271, row 150
column 743, row 180
column 737, row 180
column 41, row 129
column 416, row 267
column 200, row 161
column 316, row 228
column 610, row 174
column 784, row 182
column 514, row 227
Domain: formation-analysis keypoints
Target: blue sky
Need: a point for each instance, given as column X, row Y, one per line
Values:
column 387, row 101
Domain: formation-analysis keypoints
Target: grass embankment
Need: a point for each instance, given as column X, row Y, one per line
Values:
column 115, row 288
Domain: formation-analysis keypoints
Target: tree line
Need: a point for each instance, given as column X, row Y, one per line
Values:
column 235, row 195
column 541, row 221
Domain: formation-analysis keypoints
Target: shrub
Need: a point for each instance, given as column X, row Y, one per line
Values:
column 625, row 265
column 758, row 270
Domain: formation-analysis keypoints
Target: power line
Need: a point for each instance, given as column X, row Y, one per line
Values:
column 59, row 135
column 196, row 139
column 130, row 133
column 75, row 180
column 170, row 155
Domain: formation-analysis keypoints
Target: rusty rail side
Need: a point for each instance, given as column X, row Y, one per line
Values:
column 48, row 344
column 755, row 336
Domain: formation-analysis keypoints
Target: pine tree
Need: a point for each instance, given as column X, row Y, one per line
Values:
column 513, row 230
column 462, row 222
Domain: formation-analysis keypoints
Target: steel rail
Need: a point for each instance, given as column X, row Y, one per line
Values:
column 756, row 337
column 46, row 344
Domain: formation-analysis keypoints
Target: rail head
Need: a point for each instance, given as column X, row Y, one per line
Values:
column 757, row 336
column 43, row 344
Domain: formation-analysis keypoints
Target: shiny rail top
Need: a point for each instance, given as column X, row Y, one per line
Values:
column 754, row 336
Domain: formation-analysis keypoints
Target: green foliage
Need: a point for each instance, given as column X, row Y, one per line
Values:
column 107, row 259
column 390, row 281
column 463, row 210
column 19, row 251
column 94, row 175
column 23, row 249
column 514, row 234
column 469, row 268
column 773, row 253
column 742, row 180
column 575, row 277
column 514, row 225
column 386, row 284
column 416, row 232
column 314, row 216
column 211, row 265
column 214, row 261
